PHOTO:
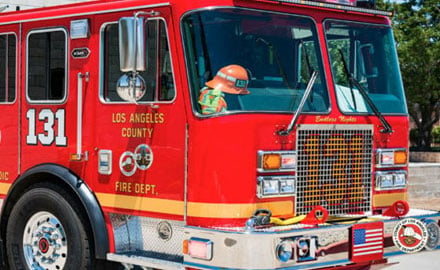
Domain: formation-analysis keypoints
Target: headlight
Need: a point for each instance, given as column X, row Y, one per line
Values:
column 276, row 161
column 284, row 251
column 287, row 186
column 386, row 158
column 275, row 186
column 391, row 180
column 270, row 187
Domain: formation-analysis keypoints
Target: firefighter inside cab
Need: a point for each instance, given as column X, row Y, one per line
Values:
column 232, row 79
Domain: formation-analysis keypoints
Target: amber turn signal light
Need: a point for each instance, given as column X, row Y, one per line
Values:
column 400, row 157
column 271, row 161
column 185, row 246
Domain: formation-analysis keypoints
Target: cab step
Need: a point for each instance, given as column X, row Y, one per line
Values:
column 147, row 260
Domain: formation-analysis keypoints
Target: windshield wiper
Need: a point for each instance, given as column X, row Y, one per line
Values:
column 286, row 132
column 353, row 81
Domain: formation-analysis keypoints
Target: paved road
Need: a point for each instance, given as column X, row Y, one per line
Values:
column 424, row 260
column 419, row 261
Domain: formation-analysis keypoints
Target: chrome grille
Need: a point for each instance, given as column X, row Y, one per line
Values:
column 334, row 168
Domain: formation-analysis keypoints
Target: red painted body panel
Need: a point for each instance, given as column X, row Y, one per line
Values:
column 9, row 129
column 221, row 169
column 216, row 157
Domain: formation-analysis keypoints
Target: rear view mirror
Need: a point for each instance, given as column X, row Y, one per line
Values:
column 132, row 44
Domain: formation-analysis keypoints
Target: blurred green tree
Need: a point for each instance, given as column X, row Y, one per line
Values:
column 416, row 25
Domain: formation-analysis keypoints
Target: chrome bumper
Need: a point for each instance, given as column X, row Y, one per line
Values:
column 241, row 249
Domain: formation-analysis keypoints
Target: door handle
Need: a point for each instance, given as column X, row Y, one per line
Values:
column 79, row 155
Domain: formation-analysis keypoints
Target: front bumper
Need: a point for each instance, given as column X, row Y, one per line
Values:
column 329, row 245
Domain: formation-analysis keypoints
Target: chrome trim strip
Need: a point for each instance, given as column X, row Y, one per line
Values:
column 340, row 7
column 334, row 244
column 86, row 13
column 227, row 247
column 331, row 263
column 185, row 195
column 79, row 117
column 145, row 262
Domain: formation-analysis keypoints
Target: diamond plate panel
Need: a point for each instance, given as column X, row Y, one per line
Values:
column 334, row 168
column 133, row 233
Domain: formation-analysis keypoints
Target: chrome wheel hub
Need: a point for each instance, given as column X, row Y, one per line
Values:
column 44, row 242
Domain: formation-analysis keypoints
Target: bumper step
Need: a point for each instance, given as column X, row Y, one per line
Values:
column 147, row 260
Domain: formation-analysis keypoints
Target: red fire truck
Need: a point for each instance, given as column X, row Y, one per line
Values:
column 111, row 153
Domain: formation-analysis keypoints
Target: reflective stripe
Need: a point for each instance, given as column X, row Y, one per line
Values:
column 238, row 83
column 227, row 77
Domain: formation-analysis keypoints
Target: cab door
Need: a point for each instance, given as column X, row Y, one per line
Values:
column 9, row 106
column 140, row 145
column 47, row 133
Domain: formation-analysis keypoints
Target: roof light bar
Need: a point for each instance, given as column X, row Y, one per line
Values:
column 346, row 5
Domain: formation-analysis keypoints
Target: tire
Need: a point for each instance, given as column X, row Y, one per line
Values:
column 45, row 232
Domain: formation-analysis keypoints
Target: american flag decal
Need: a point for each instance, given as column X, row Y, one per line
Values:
column 367, row 242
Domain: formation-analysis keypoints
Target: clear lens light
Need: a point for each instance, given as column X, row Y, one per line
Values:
column 284, row 251
column 288, row 161
column 287, row 186
column 400, row 180
column 387, row 158
column 386, row 181
column 270, row 187
column 391, row 180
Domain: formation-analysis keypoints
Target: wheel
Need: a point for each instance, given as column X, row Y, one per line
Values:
column 45, row 232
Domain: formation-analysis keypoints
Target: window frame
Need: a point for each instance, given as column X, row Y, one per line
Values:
column 322, row 56
column 102, row 98
column 16, row 67
column 66, row 62
column 324, row 22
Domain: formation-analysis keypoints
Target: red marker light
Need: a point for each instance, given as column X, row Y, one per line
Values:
column 398, row 209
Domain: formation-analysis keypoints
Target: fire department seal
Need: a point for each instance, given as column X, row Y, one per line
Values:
column 127, row 164
column 410, row 235
column 143, row 157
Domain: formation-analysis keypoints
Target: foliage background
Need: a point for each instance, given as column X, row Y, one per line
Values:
column 416, row 25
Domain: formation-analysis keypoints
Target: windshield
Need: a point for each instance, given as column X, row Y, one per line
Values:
column 277, row 53
column 370, row 55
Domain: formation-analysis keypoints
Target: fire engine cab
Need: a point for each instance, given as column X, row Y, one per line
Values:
column 220, row 134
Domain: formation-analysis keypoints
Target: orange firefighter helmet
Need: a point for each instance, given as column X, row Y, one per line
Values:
column 232, row 79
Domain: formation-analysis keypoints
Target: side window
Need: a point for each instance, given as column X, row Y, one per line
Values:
column 158, row 76
column 335, row 46
column 46, row 65
column 8, row 50
column 307, row 61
